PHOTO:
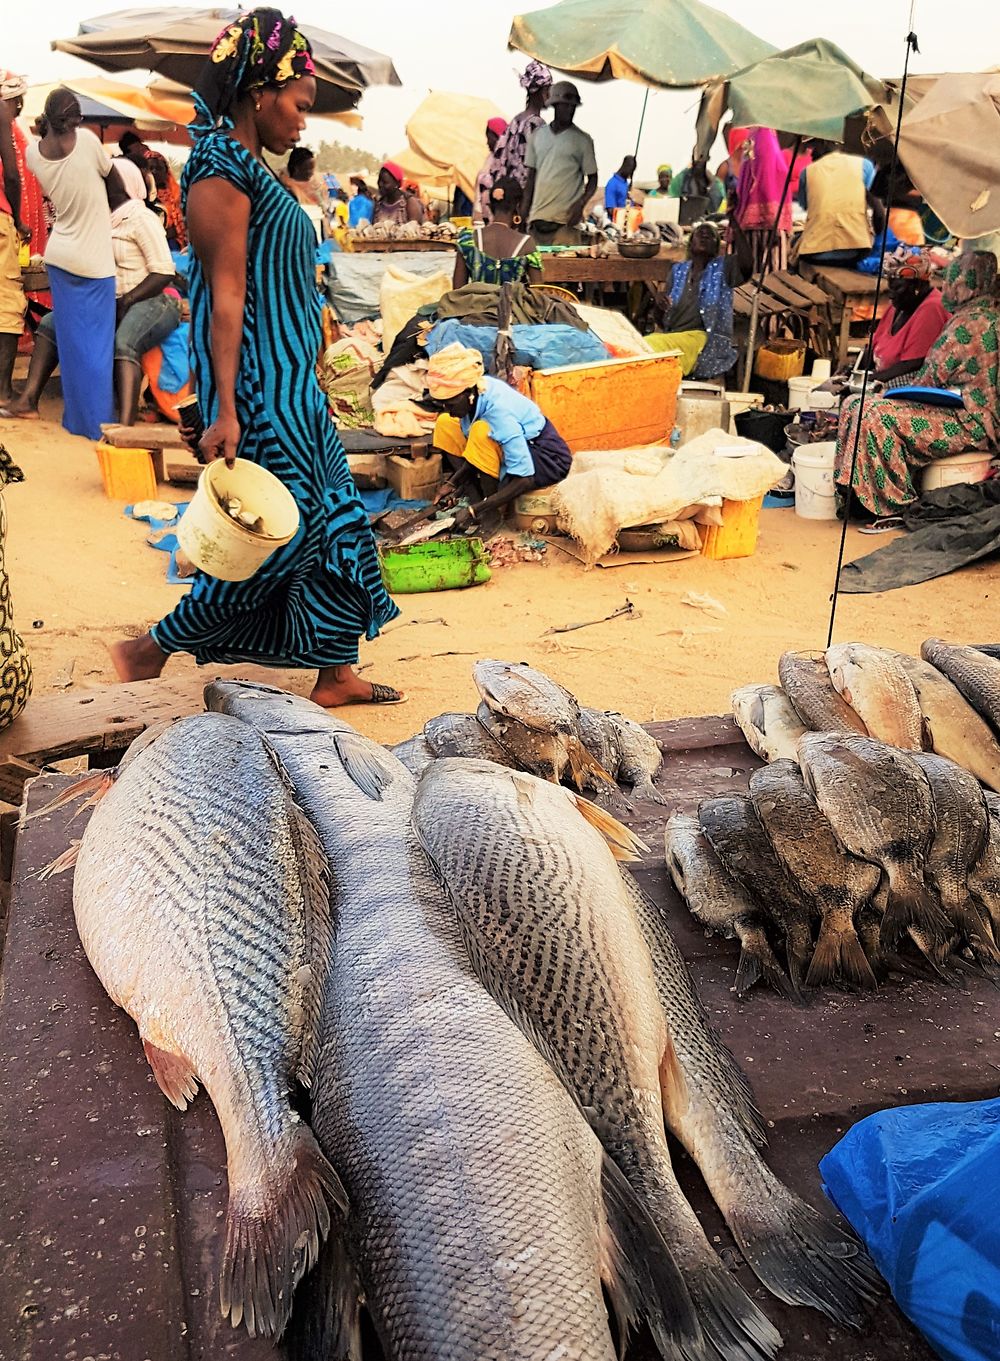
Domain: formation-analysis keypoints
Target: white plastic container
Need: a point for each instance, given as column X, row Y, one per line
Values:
column 700, row 407
column 815, row 489
column 948, row 472
column 219, row 545
column 821, row 370
column 802, row 395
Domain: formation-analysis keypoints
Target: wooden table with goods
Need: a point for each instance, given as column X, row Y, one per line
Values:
column 564, row 268
column 111, row 1202
column 847, row 289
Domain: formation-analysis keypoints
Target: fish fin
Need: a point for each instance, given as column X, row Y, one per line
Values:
column 798, row 949
column 582, row 764
column 757, row 961
column 801, row 1256
column 367, row 765
column 318, row 925
column 673, row 1083
column 642, row 1278
column 977, row 930
column 647, row 791
column 66, row 861
column 919, row 909
column 174, row 1075
column 268, row 1249
column 838, row 955
column 326, row 1320
column 735, row 1328
column 623, row 844
column 95, row 783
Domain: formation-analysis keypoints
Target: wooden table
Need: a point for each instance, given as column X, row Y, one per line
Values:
column 847, row 289
column 611, row 269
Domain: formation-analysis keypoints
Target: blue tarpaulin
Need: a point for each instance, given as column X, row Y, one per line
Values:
column 921, row 1186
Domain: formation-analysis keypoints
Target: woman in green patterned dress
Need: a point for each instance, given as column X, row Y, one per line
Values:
column 898, row 438
column 500, row 253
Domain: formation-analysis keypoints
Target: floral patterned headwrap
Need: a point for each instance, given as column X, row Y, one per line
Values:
column 260, row 48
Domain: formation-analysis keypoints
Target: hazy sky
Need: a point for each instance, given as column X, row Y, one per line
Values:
column 461, row 45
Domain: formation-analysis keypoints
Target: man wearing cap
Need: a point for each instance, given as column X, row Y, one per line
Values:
column 392, row 205
column 497, row 442
column 562, row 171
column 12, row 233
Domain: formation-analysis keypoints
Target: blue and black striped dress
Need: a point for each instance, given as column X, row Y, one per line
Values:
column 312, row 601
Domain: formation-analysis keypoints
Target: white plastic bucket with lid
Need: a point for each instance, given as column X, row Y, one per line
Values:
column 219, row 545
column 815, row 489
column 802, row 395
column 949, row 472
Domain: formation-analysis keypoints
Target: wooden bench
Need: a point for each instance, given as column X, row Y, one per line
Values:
column 157, row 437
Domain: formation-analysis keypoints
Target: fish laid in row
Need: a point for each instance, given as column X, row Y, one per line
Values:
column 975, row 673
column 952, row 727
column 873, row 682
column 768, row 721
column 805, row 679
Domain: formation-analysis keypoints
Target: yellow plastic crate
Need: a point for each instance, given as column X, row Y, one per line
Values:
column 127, row 474
column 780, row 360
column 614, row 404
column 736, row 537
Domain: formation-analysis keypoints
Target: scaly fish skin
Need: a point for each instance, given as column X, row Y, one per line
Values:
column 872, row 681
column 639, row 757
column 768, row 721
column 462, row 735
column 975, row 673
column 477, row 1227
column 415, row 754
column 219, row 955
column 951, row 724
column 806, row 681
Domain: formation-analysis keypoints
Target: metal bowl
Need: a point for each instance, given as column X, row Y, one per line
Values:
column 639, row 250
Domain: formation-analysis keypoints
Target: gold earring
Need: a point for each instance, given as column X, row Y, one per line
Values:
column 257, row 105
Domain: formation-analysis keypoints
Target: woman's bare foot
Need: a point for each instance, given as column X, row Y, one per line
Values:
column 137, row 659
column 339, row 685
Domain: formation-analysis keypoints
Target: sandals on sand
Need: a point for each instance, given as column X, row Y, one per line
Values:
column 385, row 694
column 882, row 526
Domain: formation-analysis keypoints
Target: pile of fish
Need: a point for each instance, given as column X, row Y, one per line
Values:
column 494, row 1027
column 869, row 827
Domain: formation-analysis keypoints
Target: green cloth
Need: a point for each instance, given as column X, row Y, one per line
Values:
column 716, row 189
column 563, row 162
column 690, row 344
column 672, row 43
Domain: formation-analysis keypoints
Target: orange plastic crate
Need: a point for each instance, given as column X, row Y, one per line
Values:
column 615, row 404
column 127, row 474
column 736, row 537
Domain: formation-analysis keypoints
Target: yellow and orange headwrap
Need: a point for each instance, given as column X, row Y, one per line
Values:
column 454, row 370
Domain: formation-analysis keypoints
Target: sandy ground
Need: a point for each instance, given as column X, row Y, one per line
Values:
column 82, row 575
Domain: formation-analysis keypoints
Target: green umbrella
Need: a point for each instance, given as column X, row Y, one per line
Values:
column 667, row 43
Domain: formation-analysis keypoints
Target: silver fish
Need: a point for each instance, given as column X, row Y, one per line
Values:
column 219, row 954
column 462, row 735
column 639, row 757
column 951, row 724
column 415, row 753
column 719, row 903
column 872, row 681
column 975, row 673
column 806, row 681
column 984, row 877
column 484, row 1217
column 767, row 720
column 836, row 882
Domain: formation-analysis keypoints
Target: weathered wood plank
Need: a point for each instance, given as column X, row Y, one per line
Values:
column 151, row 435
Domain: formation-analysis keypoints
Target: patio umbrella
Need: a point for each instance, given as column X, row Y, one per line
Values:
column 449, row 130
column 950, row 146
column 162, row 94
column 109, row 107
column 660, row 43
column 175, row 41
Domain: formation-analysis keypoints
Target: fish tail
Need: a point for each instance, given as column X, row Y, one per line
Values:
column 798, row 949
column 66, row 861
column 838, row 955
column 733, row 1325
column 801, row 1256
column 623, row 844
column 647, row 791
column 642, row 1277
column 917, row 907
column 326, row 1321
column 95, row 783
column 757, row 961
column 273, row 1235
column 977, row 930
column 582, row 764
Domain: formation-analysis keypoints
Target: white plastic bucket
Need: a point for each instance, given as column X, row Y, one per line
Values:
column 815, row 490
column 949, row 472
column 219, row 545
column 803, row 397
column 821, row 370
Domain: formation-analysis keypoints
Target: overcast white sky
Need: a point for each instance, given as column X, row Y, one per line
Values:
column 461, row 45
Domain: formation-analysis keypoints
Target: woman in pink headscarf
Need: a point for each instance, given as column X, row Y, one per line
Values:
column 495, row 129
column 759, row 191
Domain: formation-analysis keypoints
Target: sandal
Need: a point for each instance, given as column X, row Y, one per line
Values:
column 385, row 694
column 883, row 526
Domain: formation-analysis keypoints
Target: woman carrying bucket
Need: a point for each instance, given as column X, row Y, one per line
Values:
column 255, row 333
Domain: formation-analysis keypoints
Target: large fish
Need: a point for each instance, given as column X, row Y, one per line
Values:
column 984, row 877
column 415, row 753
column 554, row 929
column 952, row 726
column 837, row 883
column 219, row 954
column 767, row 720
column 806, row 681
column 975, row 673
column 484, row 1217
column 878, row 802
column 874, row 684
column 552, row 936
column 536, row 722
column 738, row 839
column 719, row 903
column 462, row 735
column 962, row 827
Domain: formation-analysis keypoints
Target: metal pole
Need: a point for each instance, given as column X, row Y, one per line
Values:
column 772, row 234
column 642, row 121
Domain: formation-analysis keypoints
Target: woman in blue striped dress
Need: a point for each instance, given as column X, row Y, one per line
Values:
column 255, row 335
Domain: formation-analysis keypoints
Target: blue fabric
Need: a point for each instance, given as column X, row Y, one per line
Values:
column 359, row 207
column 920, row 1185
column 539, row 347
column 616, row 193
column 312, row 600
column 84, row 311
column 513, row 420
column 886, row 240
column 175, row 369
column 715, row 303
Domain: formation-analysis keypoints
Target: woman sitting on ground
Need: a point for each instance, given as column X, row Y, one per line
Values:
column 499, row 253
column 392, row 205
column 696, row 307
column 496, row 442
column 914, row 320
column 899, row 437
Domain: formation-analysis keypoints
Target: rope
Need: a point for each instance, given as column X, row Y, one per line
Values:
column 911, row 46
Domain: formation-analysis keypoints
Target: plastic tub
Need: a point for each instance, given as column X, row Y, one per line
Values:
column 447, row 566
column 219, row 545
column 736, row 537
column 815, row 489
column 766, row 427
column 738, row 402
column 948, row 472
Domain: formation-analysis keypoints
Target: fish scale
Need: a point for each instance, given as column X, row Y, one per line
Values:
column 483, row 1219
column 976, row 674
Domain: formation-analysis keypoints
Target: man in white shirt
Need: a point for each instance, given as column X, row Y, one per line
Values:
column 562, row 171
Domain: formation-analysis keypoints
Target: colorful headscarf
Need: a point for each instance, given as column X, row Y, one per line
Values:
column 971, row 277
column 664, row 170
column 903, row 257
column 261, row 48
column 454, row 370
column 396, row 171
column 535, row 77
column 12, row 86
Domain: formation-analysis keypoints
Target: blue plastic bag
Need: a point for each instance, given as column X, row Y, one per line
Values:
column 539, row 347
column 921, row 1186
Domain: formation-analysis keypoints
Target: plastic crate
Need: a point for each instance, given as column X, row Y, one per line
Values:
column 736, row 537
column 127, row 474
column 616, row 404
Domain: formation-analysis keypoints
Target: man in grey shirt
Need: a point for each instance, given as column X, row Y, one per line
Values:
column 562, row 171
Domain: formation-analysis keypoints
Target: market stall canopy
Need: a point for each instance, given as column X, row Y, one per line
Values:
column 175, row 41
column 950, row 146
column 113, row 106
column 809, row 90
column 164, row 93
column 425, row 172
column 668, row 43
column 450, row 131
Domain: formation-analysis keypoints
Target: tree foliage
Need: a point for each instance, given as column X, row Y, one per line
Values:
column 336, row 158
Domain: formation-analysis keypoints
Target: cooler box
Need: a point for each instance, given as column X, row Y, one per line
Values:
column 736, row 537
column 614, row 404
